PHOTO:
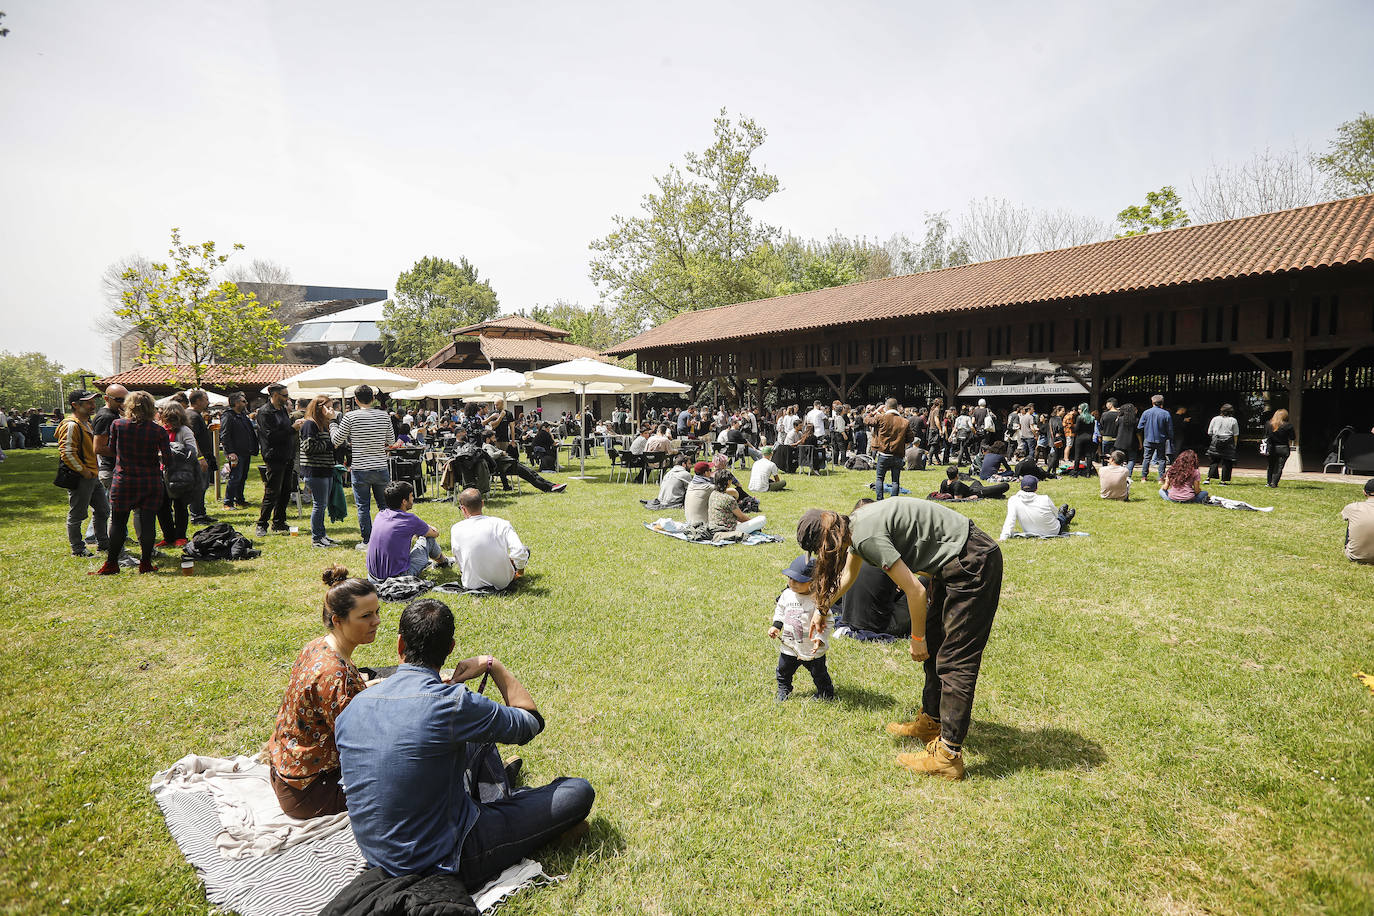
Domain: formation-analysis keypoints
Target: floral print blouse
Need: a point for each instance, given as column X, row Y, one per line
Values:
column 322, row 682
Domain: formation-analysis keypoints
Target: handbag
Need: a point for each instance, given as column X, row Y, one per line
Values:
column 66, row 478
column 1264, row 446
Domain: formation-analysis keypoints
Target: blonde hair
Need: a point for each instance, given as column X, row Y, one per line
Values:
column 139, row 406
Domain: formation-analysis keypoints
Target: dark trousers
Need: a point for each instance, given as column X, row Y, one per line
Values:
column 524, row 472
column 173, row 515
column 1277, row 458
column 323, row 796
column 197, row 500
column 516, row 827
column 963, row 601
column 1221, row 468
column 119, row 533
column 89, row 494
column 276, row 493
column 820, row 674
column 238, row 476
column 990, row 490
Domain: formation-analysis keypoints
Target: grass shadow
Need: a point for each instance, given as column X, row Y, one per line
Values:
column 1007, row 749
column 863, row 698
column 603, row 841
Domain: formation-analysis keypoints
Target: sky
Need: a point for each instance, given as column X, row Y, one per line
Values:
column 347, row 140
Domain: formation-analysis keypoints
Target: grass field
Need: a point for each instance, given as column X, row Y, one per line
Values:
column 1166, row 719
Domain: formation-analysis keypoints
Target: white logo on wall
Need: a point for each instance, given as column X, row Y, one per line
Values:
column 1024, row 379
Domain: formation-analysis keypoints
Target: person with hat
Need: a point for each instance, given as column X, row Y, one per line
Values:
column 764, row 476
column 76, row 450
column 696, row 506
column 950, row 625
column 792, row 626
column 1035, row 512
column 1359, row 526
column 278, row 443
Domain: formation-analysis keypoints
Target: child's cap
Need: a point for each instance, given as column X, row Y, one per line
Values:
column 801, row 569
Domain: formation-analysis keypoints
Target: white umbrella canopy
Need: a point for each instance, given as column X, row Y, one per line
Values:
column 582, row 375
column 436, row 389
column 341, row 376
column 216, row 400
column 497, row 381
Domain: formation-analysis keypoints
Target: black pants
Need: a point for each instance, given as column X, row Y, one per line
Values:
column 173, row 515
column 963, row 601
column 119, row 533
column 1221, row 468
column 524, row 472
column 276, row 493
column 513, row 828
column 1277, row 458
column 989, row 490
column 820, row 674
column 875, row 603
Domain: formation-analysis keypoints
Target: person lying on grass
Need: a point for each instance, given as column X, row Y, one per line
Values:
column 403, row 750
column 953, row 486
column 304, row 757
column 791, row 619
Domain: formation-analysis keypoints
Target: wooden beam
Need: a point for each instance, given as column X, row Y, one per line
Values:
column 1329, row 367
column 1076, row 377
column 943, row 387
column 1269, row 372
column 1111, row 380
column 831, row 382
column 850, row 389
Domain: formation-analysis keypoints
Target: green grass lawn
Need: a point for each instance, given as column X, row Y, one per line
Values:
column 1166, row 720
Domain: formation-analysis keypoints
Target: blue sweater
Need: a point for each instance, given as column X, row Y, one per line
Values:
column 1158, row 425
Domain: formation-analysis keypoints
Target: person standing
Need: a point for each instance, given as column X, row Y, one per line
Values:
column 1224, row 433
column 891, row 433
column 1108, row 425
column 205, row 445
column 369, row 433
column 1158, row 433
column 318, row 464
column 278, row 443
column 136, row 442
column 1125, row 435
column 1279, row 441
column 76, row 449
column 175, row 510
column 1025, row 429
column 949, row 625
column 239, row 443
column 100, row 426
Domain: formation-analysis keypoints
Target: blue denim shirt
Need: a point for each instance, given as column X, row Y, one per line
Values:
column 403, row 752
column 1158, row 425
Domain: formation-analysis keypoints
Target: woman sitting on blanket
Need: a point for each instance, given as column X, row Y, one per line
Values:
column 1182, row 479
column 305, row 761
column 723, row 513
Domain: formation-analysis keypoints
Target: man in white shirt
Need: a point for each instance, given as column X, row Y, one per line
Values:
column 764, row 476
column 640, row 442
column 486, row 549
column 816, row 417
column 1035, row 512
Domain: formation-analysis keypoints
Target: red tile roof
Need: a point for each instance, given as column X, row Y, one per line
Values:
column 258, row 376
column 1322, row 235
column 498, row 349
column 513, row 323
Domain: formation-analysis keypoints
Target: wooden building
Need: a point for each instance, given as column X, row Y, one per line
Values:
column 1275, row 310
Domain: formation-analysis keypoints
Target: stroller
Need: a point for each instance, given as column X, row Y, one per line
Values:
column 1335, row 452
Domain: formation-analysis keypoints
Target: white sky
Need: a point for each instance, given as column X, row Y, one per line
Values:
column 346, row 140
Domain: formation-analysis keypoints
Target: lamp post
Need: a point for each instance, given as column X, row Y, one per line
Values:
column 61, row 393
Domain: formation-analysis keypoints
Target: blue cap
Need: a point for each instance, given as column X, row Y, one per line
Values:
column 800, row 570
column 1030, row 482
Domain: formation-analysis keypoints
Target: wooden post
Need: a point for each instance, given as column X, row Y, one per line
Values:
column 1297, row 382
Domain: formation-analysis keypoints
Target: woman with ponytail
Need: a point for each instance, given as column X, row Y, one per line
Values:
column 305, row 760
column 949, row 626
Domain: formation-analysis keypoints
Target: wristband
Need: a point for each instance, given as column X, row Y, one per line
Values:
column 918, row 639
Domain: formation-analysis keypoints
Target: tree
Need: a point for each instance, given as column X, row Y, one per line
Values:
column 1051, row 229
column 1349, row 162
column 593, row 327
column 797, row 265
column 33, row 380
column 994, row 228
column 202, row 322
column 939, row 249
column 1264, row 183
column 1162, row 210
column 128, row 275
column 432, row 298
column 695, row 245
column 272, row 280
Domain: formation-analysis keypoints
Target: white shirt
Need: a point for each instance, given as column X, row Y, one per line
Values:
column 794, row 612
column 837, row 423
column 763, row 471
column 488, row 551
column 1223, row 426
column 638, row 445
column 720, row 439
column 787, row 423
column 1034, row 512
column 816, row 417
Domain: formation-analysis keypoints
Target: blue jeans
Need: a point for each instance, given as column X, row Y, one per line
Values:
column 1201, row 497
column 366, row 485
column 425, row 549
column 238, row 476
column 514, row 828
column 883, row 463
column 320, row 488
column 1153, row 450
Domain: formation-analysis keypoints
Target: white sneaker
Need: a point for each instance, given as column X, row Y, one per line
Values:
column 360, row 546
column 325, row 542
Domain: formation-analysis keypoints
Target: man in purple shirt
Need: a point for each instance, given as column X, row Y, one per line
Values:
column 389, row 550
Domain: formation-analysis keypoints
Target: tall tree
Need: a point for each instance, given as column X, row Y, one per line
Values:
column 203, row 321
column 797, row 265
column 593, row 327
column 33, row 380
column 128, row 275
column 939, row 248
column 1051, row 229
column 1349, row 161
column 1266, row 182
column 994, row 227
column 432, row 298
column 1162, row 210
column 695, row 244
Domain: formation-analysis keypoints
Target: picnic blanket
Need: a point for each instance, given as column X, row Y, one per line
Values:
column 1236, row 504
column 1048, row 537
column 684, row 532
column 946, row 498
column 281, row 866
column 891, row 490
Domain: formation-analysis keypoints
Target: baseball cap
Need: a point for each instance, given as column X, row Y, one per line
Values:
column 1030, row 482
column 81, row 394
column 800, row 569
column 1369, row 487
column 701, row 467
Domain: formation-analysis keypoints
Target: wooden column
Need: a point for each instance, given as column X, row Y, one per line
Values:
column 1297, row 380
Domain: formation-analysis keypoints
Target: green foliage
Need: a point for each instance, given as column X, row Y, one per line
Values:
column 185, row 314
column 940, row 248
column 1162, row 210
column 1349, row 162
column 798, row 265
column 30, row 380
column 695, row 244
column 593, row 327
column 432, row 298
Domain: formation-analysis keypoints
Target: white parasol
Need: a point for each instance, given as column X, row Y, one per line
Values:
column 582, row 375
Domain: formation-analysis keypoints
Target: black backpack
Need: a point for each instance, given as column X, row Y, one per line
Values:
column 180, row 472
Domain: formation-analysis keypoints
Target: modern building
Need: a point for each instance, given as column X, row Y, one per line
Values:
column 353, row 333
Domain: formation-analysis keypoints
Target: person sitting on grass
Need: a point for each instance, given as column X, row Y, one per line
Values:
column 723, row 512
column 994, row 462
column 1114, row 478
column 699, row 489
column 791, row 622
column 1035, row 512
column 389, row 551
column 764, row 477
column 403, row 752
column 956, row 488
column 304, row 758
column 1026, row 465
column 1359, row 526
column 1182, row 480
column 672, row 492
column 486, row 548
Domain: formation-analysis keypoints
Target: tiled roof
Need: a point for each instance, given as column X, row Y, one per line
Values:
column 497, row 349
column 257, row 376
column 1322, row 235
column 513, row 323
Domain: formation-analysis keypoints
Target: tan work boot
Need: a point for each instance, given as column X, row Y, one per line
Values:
column 935, row 760
column 924, row 728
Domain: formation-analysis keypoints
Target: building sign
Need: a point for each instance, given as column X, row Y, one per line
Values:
column 1023, row 379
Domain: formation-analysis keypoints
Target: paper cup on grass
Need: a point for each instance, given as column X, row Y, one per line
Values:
column 295, row 531
column 188, row 567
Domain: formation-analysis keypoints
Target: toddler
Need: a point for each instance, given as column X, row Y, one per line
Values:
column 791, row 623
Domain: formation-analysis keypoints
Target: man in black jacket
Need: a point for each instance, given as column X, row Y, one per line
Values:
column 278, row 441
column 205, row 445
column 239, row 443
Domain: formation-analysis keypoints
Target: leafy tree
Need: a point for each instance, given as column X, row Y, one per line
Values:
column 1349, row 162
column 1162, row 210
column 432, row 298
column 695, row 245
column 202, row 321
column 593, row 327
column 31, row 380
column 939, row 249
column 798, row 265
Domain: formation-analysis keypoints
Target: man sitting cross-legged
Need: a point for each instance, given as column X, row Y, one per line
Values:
column 389, row 551
column 403, row 753
column 486, row 549
column 1035, row 512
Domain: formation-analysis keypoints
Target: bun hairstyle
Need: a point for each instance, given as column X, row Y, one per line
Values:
column 343, row 593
